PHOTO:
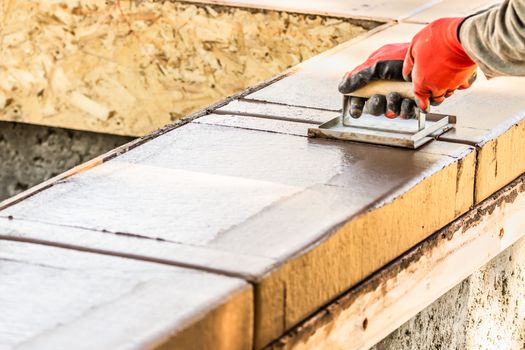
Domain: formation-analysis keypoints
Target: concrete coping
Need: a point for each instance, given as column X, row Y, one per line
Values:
column 239, row 191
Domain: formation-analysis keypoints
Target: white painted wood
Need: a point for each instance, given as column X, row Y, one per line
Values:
column 397, row 293
column 53, row 298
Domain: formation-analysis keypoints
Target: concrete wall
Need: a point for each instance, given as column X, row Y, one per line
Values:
column 486, row 311
column 30, row 154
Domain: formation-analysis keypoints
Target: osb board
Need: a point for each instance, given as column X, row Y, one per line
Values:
column 349, row 208
column 54, row 298
column 130, row 70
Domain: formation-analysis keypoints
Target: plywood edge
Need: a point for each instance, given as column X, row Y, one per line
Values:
column 369, row 312
column 357, row 248
column 500, row 161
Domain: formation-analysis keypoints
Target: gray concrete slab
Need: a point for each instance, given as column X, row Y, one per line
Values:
column 277, row 111
column 257, row 123
column 314, row 84
column 491, row 105
column 255, row 199
column 451, row 8
column 136, row 247
column 54, row 298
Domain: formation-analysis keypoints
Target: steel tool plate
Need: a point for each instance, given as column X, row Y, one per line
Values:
column 384, row 131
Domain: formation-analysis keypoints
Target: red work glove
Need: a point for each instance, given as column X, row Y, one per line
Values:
column 437, row 64
column 385, row 63
column 435, row 61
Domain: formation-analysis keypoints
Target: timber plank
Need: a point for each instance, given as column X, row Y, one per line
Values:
column 490, row 116
column 54, row 298
column 319, row 215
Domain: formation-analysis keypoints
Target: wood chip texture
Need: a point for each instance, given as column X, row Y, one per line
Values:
column 131, row 68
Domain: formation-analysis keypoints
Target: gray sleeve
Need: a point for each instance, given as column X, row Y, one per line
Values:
column 495, row 39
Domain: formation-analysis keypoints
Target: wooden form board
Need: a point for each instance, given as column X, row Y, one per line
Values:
column 54, row 298
column 367, row 314
column 348, row 209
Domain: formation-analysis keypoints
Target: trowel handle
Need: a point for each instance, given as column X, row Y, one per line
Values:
column 384, row 87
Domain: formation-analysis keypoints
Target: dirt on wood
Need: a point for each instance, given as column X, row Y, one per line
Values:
column 128, row 70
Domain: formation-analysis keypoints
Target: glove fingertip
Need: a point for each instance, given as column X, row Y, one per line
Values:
column 351, row 82
column 422, row 103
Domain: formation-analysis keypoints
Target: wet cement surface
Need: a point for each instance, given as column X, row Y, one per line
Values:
column 54, row 298
column 230, row 188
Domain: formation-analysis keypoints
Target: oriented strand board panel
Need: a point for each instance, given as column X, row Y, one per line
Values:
column 490, row 116
column 54, row 298
column 323, row 214
column 451, row 8
column 315, row 82
column 91, row 65
column 375, row 9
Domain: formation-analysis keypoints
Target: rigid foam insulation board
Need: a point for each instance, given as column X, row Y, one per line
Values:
column 88, row 65
column 302, row 219
column 490, row 116
column 53, row 298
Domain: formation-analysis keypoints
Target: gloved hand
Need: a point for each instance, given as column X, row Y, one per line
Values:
column 434, row 61
column 385, row 63
column 437, row 64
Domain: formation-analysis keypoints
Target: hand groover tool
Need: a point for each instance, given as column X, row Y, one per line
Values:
column 408, row 133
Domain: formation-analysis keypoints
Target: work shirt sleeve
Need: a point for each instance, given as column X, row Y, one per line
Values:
column 495, row 39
